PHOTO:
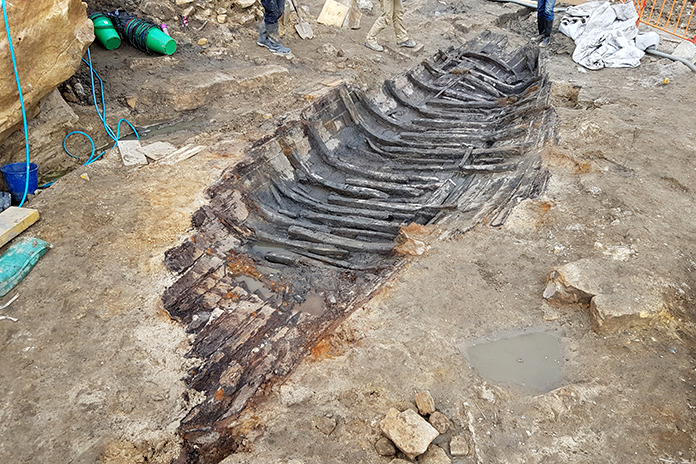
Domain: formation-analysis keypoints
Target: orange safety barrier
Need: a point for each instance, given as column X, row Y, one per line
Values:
column 675, row 17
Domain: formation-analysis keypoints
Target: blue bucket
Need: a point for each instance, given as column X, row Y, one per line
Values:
column 15, row 175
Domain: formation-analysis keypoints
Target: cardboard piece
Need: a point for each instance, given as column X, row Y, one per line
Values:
column 333, row 13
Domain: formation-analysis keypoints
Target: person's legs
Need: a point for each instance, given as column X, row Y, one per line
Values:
column 383, row 21
column 548, row 22
column 541, row 19
column 398, row 19
column 268, row 33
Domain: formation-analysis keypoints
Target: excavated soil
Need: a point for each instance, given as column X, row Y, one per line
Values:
column 94, row 364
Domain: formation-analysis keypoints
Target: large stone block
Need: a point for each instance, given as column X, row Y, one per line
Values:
column 410, row 432
column 49, row 38
column 620, row 295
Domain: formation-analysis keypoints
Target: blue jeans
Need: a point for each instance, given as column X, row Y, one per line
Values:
column 273, row 10
column 545, row 9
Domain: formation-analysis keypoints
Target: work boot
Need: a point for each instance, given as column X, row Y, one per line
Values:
column 548, row 26
column 374, row 46
column 408, row 43
column 265, row 40
column 272, row 31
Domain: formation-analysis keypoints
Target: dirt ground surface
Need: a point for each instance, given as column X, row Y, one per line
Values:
column 92, row 368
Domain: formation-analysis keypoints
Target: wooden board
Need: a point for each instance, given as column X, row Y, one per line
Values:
column 13, row 221
column 333, row 13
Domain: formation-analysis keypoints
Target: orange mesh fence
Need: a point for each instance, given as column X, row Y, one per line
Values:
column 673, row 16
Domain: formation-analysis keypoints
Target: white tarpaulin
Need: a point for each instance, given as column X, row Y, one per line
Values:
column 606, row 35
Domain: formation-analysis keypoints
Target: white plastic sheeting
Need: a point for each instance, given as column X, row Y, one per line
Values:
column 606, row 35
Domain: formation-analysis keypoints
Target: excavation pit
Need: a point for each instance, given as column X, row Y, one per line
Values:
column 304, row 230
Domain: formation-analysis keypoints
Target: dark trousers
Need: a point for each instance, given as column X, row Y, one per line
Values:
column 273, row 10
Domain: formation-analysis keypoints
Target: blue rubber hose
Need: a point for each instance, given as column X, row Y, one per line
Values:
column 102, row 117
column 21, row 100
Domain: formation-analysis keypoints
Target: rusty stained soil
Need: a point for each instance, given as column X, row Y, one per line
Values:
column 93, row 368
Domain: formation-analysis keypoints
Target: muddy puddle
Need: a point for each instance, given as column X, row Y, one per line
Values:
column 532, row 361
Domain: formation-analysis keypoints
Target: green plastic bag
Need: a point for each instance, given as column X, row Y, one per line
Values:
column 18, row 260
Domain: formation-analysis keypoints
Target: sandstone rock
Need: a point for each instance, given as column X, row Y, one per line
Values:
column 385, row 447
column 158, row 11
column 46, row 131
column 202, row 41
column 399, row 461
column 410, row 432
column 49, row 39
column 459, row 446
column 620, row 311
column 196, row 89
column 620, row 295
column 425, row 402
column 435, row 455
column 439, row 421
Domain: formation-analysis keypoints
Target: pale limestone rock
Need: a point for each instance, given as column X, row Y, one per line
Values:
column 620, row 295
column 399, row 461
column 459, row 446
column 49, row 39
column 425, row 402
column 439, row 421
column 435, row 455
column 408, row 431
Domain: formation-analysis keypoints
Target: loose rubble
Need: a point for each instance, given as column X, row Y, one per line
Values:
column 414, row 437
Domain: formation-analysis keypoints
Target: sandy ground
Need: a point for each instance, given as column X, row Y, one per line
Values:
column 92, row 368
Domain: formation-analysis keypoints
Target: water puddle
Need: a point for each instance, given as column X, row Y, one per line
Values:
column 254, row 286
column 532, row 361
column 314, row 304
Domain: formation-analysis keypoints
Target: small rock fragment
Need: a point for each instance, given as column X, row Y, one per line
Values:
column 202, row 41
column 435, row 455
column 408, row 431
column 385, row 447
column 439, row 421
column 325, row 424
column 425, row 403
column 459, row 446
column 399, row 461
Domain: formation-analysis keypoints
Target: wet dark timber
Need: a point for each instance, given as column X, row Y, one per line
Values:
column 318, row 208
